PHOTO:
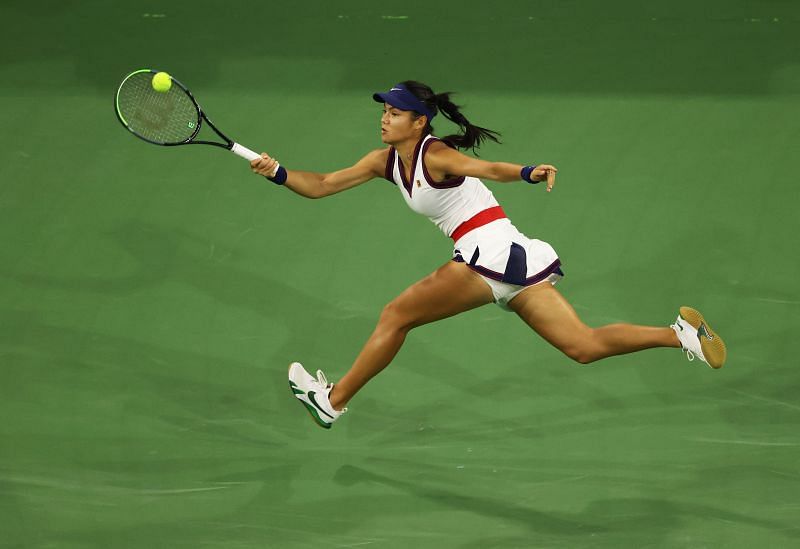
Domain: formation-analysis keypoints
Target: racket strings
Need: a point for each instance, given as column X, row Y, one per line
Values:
column 161, row 117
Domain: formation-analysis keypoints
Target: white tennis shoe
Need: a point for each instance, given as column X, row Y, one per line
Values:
column 314, row 394
column 698, row 339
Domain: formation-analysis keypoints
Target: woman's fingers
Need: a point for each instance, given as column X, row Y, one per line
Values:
column 545, row 172
column 265, row 165
column 551, row 178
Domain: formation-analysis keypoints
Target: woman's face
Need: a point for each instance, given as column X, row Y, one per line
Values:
column 398, row 126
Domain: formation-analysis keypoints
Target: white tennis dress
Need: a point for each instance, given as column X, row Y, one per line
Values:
column 466, row 211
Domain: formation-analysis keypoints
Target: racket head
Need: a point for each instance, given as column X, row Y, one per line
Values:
column 163, row 118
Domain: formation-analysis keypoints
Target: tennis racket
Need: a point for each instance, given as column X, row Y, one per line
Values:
column 168, row 118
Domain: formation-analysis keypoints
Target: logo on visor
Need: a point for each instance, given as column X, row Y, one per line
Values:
column 396, row 89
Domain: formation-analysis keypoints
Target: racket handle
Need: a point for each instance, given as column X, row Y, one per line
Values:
column 244, row 152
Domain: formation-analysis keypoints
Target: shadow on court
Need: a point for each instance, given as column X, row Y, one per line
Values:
column 637, row 520
column 349, row 475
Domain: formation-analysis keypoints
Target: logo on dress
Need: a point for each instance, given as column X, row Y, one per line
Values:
column 418, row 183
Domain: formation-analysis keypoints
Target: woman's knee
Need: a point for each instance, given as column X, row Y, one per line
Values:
column 584, row 349
column 584, row 357
column 394, row 317
column 579, row 354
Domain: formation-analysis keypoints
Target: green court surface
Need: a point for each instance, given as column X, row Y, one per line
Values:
column 152, row 298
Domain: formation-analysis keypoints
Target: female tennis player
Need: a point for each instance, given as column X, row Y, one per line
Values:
column 492, row 261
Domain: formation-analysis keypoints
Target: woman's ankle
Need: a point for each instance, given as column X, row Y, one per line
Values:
column 335, row 400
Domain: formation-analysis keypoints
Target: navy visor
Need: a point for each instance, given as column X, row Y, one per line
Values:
column 404, row 100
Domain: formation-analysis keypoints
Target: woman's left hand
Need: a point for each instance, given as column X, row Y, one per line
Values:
column 544, row 172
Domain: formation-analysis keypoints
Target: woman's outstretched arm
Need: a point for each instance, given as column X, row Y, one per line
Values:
column 446, row 162
column 318, row 185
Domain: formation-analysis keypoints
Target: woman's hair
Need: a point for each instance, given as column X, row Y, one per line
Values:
column 471, row 136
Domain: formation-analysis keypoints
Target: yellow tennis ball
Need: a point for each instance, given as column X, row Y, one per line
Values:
column 162, row 82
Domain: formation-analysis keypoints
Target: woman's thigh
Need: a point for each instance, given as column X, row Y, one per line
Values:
column 551, row 316
column 451, row 289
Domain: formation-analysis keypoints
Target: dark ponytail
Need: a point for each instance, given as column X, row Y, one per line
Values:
column 471, row 136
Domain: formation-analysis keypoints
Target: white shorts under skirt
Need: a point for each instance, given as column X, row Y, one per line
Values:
column 507, row 260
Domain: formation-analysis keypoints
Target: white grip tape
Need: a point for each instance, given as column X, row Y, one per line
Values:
column 244, row 152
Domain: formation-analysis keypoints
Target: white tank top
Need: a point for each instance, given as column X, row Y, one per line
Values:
column 449, row 203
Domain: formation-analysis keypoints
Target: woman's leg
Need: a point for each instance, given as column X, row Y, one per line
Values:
column 451, row 289
column 552, row 317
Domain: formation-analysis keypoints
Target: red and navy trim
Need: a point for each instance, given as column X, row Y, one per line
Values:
column 480, row 219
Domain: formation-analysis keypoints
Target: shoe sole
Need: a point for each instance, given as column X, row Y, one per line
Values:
column 712, row 345
column 310, row 409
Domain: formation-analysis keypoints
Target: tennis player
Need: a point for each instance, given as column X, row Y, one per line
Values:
column 492, row 261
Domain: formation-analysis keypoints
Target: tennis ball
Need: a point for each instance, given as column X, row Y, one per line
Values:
column 162, row 82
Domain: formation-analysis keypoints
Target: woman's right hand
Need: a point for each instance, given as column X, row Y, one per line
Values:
column 266, row 165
